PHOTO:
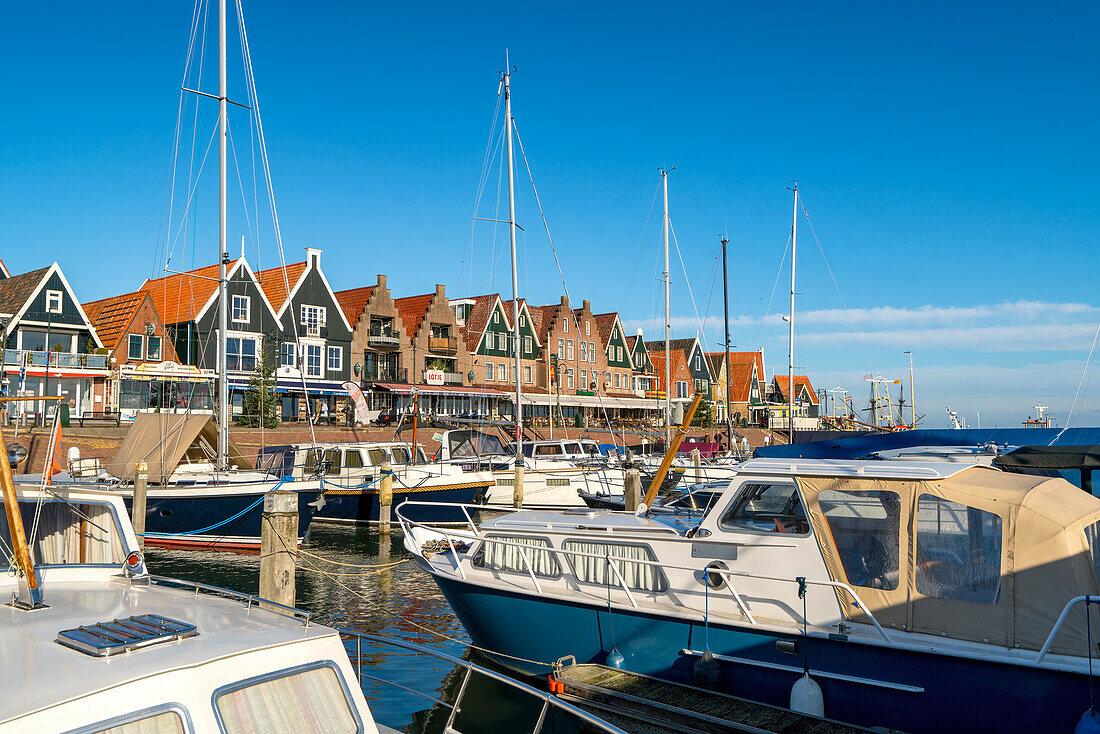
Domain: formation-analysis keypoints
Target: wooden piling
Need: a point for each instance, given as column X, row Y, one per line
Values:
column 385, row 499
column 697, row 462
column 632, row 490
column 517, row 490
column 137, row 508
column 278, row 542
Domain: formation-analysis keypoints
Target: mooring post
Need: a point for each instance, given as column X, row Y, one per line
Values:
column 517, row 490
column 137, row 509
column 278, row 543
column 385, row 499
column 697, row 462
column 632, row 490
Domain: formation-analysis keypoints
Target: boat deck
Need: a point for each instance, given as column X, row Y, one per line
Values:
column 661, row 706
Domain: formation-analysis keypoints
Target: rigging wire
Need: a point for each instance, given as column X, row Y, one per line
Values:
column 683, row 267
column 1084, row 372
column 641, row 247
column 771, row 298
column 492, row 146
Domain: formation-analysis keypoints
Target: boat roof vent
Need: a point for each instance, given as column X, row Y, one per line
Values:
column 104, row 639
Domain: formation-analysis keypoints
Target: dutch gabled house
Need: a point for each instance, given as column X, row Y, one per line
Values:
column 146, row 375
column 748, row 387
column 806, row 403
column 620, row 368
column 314, row 339
column 50, row 344
column 694, row 359
column 645, row 374
column 377, row 342
column 188, row 304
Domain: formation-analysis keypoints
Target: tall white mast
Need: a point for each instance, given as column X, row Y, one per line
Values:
column 668, row 325
column 515, row 277
column 223, row 254
column 790, row 322
column 913, row 395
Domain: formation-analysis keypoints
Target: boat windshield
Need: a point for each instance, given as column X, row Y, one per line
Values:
column 69, row 533
column 471, row 444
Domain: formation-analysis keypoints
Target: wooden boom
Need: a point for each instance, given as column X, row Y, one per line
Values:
column 670, row 453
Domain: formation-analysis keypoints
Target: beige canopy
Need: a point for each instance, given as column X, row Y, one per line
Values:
column 983, row 555
column 163, row 440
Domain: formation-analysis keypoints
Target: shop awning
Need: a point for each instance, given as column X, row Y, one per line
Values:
column 293, row 385
column 593, row 401
column 451, row 390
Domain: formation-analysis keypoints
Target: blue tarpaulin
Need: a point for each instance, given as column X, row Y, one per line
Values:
column 863, row 445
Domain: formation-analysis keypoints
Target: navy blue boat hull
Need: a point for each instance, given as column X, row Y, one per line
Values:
column 958, row 694
column 360, row 506
column 171, row 521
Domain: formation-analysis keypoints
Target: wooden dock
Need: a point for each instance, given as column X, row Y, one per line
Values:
column 640, row 703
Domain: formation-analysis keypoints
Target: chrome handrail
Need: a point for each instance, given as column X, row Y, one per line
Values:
column 547, row 698
column 247, row 599
column 407, row 525
column 1087, row 599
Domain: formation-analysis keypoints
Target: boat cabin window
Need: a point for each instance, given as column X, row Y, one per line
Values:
column 468, row 444
column 594, row 567
column 958, row 551
column 400, row 455
column 509, row 557
column 591, row 449
column 69, row 533
column 866, row 528
column 377, row 456
column 332, row 461
column 553, row 449
column 767, row 507
column 353, row 459
column 313, row 459
column 165, row 722
column 309, row 700
column 573, row 448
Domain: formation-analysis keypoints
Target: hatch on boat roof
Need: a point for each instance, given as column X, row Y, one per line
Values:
column 104, row 639
column 929, row 470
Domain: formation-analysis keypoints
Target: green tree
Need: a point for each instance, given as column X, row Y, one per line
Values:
column 702, row 417
column 260, row 399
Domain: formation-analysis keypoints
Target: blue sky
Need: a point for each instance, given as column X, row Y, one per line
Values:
column 944, row 152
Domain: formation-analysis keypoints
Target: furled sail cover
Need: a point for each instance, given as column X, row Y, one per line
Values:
column 163, row 440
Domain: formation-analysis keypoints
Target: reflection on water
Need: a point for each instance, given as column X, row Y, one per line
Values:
column 401, row 602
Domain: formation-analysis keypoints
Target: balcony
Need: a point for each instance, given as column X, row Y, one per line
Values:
column 443, row 344
column 452, row 378
column 383, row 339
column 386, row 374
column 313, row 331
column 58, row 360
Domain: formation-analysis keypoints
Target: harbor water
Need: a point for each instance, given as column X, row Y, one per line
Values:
column 349, row 579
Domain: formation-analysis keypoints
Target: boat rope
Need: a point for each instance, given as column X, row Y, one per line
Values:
column 226, row 521
column 379, row 607
column 863, row 348
column 1080, row 382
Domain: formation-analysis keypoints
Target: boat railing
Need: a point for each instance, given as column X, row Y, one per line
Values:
column 1086, row 600
column 249, row 600
column 614, row 561
column 549, row 700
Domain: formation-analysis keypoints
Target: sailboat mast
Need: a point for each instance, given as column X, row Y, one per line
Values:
column 726, row 313
column 912, row 395
column 223, row 253
column 790, row 321
column 515, row 276
column 668, row 324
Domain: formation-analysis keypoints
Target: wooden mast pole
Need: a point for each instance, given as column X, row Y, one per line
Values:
column 18, row 534
column 662, row 471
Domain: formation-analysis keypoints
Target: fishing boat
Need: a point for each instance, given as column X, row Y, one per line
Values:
column 917, row 596
column 350, row 475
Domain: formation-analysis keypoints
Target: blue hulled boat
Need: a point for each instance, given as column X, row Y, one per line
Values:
column 916, row 596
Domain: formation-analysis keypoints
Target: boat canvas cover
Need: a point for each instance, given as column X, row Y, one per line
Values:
column 162, row 440
column 1045, row 556
column 1050, row 457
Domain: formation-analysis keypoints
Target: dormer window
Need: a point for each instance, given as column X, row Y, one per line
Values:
column 242, row 307
column 53, row 301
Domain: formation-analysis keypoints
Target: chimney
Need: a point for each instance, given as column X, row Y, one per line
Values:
column 586, row 305
column 639, row 332
column 565, row 302
column 441, row 292
column 313, row 258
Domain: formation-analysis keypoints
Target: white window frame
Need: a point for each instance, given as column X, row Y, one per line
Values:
column 561, row 349
column 526, row 345
column 130, row 346
column 246, row 303
column 588, row 328
column 569, row 349
column 321, row 321
column 496, row 317
column 569, row 379
column 566, row 322
column 527, row 374
column 584, row 351
column 309, row 369
column 502, row 372
column 293, row 355
column 338, row 352
column 584, row 379
column 489, row 372
column 592, row 352
column 149, row 348
column 54, row 301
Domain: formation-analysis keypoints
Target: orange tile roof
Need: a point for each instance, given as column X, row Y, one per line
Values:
column 740, row 367
column 478, row 318
column 412, row 310
column 275, row 285
column 111, row 316
column 354, row 301
column 677, row 364
column 178, row 298
column 605, row 324
column 781, row 382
